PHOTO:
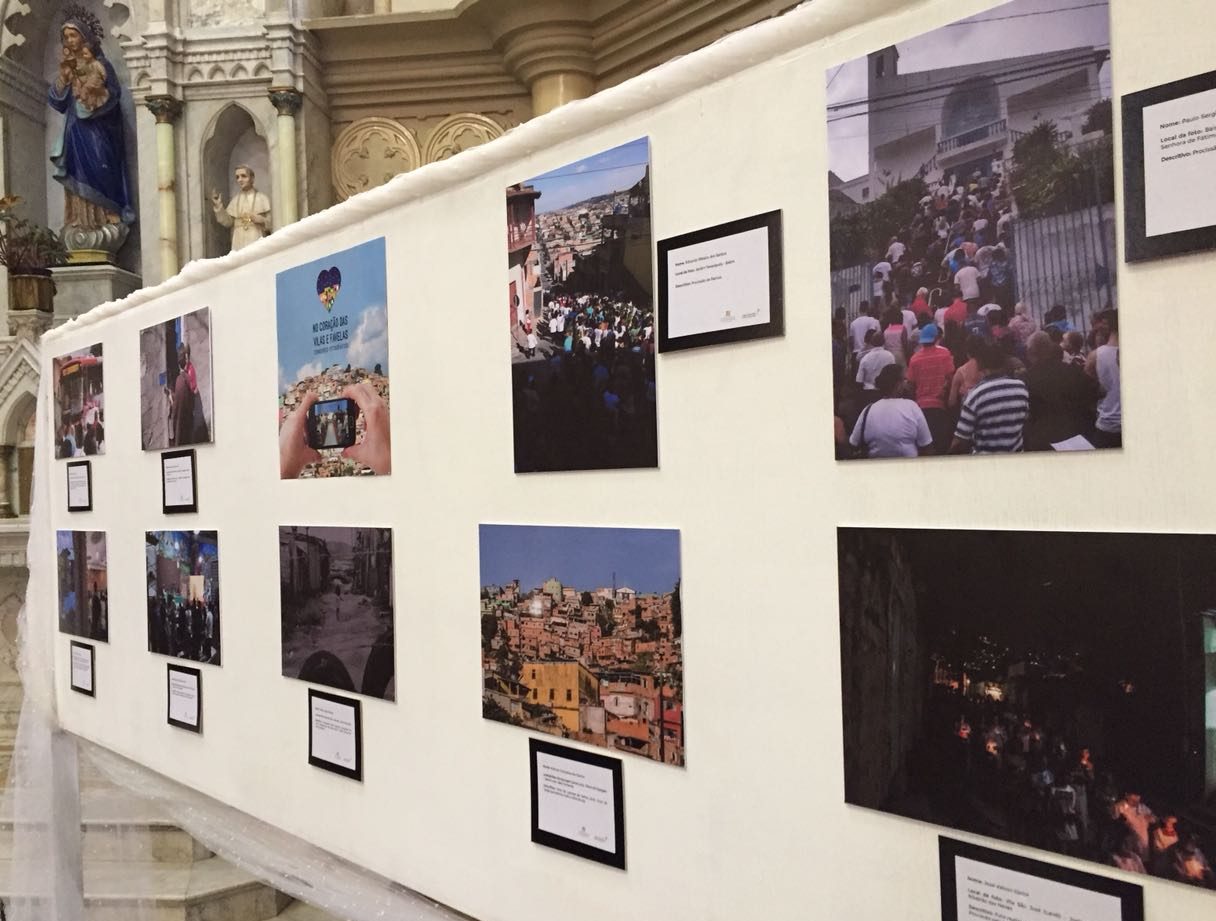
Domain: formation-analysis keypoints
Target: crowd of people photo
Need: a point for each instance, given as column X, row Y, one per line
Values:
column 943, row 359
column 81, row 434
column 997, row 770
column 183, row 628
column 588, row 399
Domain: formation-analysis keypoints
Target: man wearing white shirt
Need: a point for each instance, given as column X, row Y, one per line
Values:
column 871, row 362
column 860, row 328
column 968, row 278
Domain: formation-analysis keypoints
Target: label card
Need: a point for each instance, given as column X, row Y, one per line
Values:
column 578, row 802
column 335, row 734
column 1169, row 151
column 185, row 695
column 722, row 284
column 979, row 884
column 80, row 486
column 82, row 668
column 178, row 483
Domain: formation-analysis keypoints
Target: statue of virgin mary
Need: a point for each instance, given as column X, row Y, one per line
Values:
column 90, row 160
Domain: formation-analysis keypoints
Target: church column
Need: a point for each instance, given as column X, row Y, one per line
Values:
column 287, row 102
column 547, row 45
column 8, row 508
column 166, row 109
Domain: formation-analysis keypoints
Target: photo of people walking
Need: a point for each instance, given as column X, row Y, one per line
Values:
column 336, row 595
column 176, row 402
column 1053, row 689
column 971, row 205
column 80, row 405
column 183, row 574
column 84, row 598
column 580, row 299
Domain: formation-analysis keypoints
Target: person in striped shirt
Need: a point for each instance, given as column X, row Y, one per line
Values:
column 993, row 415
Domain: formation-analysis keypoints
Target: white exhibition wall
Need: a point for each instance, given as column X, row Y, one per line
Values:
column 755, row 826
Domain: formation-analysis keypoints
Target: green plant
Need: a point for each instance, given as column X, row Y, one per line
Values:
column 27, row 248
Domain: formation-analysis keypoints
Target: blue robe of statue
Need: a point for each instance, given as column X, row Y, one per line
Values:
column 90, row 158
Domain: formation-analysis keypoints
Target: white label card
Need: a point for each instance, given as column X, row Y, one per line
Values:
column 179, row 480
column 719, row 284
column 82, row 668
column 333, row 733
column 183, row 697
column 1179, row 161
column 576, row 801
column 989, row 893
column 78, row 487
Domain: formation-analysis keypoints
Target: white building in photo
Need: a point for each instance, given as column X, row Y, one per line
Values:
column 963, row 119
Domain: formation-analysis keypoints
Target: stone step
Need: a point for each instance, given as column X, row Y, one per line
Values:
column 119, row 826
column 302, row 911
column 153, row 891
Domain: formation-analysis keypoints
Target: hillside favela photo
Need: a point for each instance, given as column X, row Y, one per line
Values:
column 581, row 635
column 1052, row 689
column 972, row 233
column 580, row 296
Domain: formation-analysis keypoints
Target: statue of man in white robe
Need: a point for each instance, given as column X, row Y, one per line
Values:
column 248, row 214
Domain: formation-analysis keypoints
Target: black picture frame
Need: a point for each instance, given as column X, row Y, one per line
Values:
column 614, row 858
column 1139, row 247
column 89, row 691
column 195, row 673
column 775, row 326
column 355, row 773
column 164, row 494
column 88, row 475
column 1130, row 895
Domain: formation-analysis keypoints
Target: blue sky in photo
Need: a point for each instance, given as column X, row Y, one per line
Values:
column 610, row 171
column 363, row 299
column 644, row 559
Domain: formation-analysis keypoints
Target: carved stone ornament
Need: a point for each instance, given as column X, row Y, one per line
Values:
column 370, row 152
column 460, row 132
column 165, row 108
column 286, row 100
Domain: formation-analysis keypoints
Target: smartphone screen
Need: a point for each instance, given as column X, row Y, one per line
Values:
column 331, row 423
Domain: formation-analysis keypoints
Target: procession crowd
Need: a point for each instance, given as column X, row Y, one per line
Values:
column 998, row 767
column 942, row 359
column 587, row 399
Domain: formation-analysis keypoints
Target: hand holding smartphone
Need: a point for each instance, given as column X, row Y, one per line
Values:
column 331, row 423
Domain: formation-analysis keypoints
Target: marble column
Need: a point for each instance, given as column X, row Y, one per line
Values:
column 287, row 102
column 8, row 507
column 166, row 109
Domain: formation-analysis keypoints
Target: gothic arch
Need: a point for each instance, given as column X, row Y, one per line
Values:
column 233, row 136
column 20, row 407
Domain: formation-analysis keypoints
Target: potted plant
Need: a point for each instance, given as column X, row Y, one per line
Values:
column 29, row 251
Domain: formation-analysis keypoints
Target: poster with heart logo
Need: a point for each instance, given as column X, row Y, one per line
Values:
column 332, row 317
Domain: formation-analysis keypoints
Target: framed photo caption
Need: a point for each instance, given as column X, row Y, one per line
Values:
column 578, row 802
column 335, row 734
column 179, row 481
column 722, row 284
column 80, row 486
column 81, row 667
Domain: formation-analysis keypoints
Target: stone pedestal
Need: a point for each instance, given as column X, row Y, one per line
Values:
column 80, row 288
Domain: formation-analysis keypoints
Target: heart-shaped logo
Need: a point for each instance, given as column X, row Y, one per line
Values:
column 329, row 283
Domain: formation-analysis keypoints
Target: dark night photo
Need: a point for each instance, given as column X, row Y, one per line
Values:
column 1056, row 690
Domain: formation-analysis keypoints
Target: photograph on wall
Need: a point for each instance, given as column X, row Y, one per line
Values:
column 332, row 317
column 336, row 597
column 580, row 294
column 79, row 397
column 972, row 238
column 175, row 396
column 1051, row 689
column 84, row 603
column 183, row 571
column 581, row 635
